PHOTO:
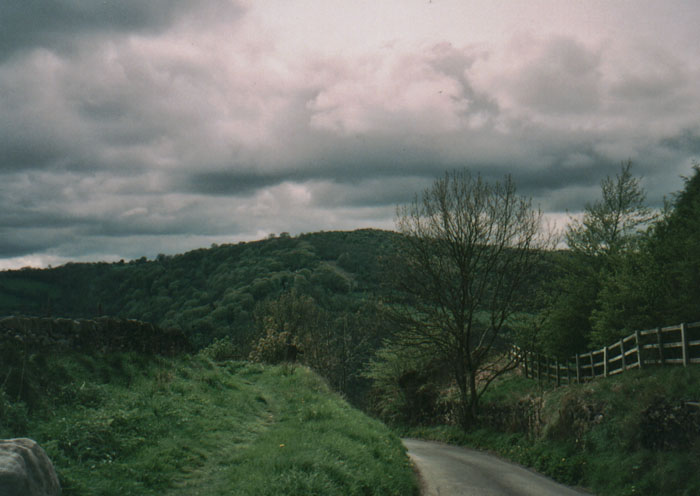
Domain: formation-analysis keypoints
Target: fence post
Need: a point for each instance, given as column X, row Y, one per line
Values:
column 660, row 341
column 637, row 338
column 578, row 369
column 605, row 361
column 556, row 364
column 684, row 341
column 622, row 354
column 539, row 368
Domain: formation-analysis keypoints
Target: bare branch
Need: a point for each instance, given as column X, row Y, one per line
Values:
column 470, row 248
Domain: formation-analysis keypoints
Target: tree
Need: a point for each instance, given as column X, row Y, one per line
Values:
column 673, row 246
column 408, row 387
column 469, row 251
column 285, row 324
column 613, row 224
column 603, row 248
column 294, row 328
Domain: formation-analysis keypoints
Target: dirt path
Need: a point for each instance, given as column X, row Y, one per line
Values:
column 453, row 471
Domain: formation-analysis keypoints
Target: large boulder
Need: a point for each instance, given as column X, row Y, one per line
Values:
column 25, row 469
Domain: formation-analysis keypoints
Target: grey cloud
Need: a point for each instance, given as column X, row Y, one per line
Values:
column 16, row 242
column 563, row 78
column 59, row 24
column 228, row 182
column 656, row 79
column 25, row 155
column 457, row 63
column 369, row 192
column 687, row 141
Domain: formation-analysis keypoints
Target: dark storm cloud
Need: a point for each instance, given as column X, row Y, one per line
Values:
column 25, row 231
column 17, row 242
column 19, row 155
column 59, row 24
column 229, row 183
column 687, row 141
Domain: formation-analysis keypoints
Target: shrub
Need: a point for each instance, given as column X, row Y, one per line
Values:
column 220, row 350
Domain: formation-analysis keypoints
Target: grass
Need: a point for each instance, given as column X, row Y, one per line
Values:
column 127, row 424
column 627, row 435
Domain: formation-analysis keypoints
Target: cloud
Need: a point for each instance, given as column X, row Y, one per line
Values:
column 129, row 123
column 61, row 24
column 557, row 75
column 391, row 91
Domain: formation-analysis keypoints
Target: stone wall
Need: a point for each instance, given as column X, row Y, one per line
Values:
column 104, row 334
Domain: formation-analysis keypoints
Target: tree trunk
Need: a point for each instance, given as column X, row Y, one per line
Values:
column 464, row 406
column 473, row 398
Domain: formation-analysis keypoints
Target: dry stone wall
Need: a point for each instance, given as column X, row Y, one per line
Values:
column 104, row 334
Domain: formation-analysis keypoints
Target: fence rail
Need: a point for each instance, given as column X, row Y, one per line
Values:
column 673, row 345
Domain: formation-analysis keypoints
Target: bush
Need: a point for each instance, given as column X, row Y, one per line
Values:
column 220, row 350
column 275, row 347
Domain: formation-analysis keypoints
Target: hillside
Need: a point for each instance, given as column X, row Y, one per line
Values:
column 227, row 292
column 125, row 423
column 207, row 292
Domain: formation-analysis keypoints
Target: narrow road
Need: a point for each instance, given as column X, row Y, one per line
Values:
column 453, row 471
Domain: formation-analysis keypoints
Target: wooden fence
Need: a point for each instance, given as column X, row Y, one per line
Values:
column 674, row 345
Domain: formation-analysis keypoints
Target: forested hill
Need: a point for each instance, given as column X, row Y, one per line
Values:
column 210, row 292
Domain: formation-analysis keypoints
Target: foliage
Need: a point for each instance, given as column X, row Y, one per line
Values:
column 650, row 279
column 211, row 292
column 673, row 247
column 287, row 325
column 130, row 424
column 611, row 225
column 603, row 250
column 469, row 252
column 295, row 328
column 220, row 350
column 408, row 387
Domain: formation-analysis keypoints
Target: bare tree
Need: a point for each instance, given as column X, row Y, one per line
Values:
column 470, row 251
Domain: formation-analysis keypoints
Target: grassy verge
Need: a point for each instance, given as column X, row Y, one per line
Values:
column 634, row 434
column 127, row 424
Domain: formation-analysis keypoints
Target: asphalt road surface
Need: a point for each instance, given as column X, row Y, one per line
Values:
column 454, row 471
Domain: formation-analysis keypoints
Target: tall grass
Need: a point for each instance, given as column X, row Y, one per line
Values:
column 127, row 424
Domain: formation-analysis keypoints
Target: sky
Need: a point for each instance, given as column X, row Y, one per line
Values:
column 132, row 128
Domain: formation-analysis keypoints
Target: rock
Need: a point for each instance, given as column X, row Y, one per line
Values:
column 25, row 469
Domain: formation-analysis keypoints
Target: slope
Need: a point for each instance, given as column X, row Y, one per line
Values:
column 135, row 424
